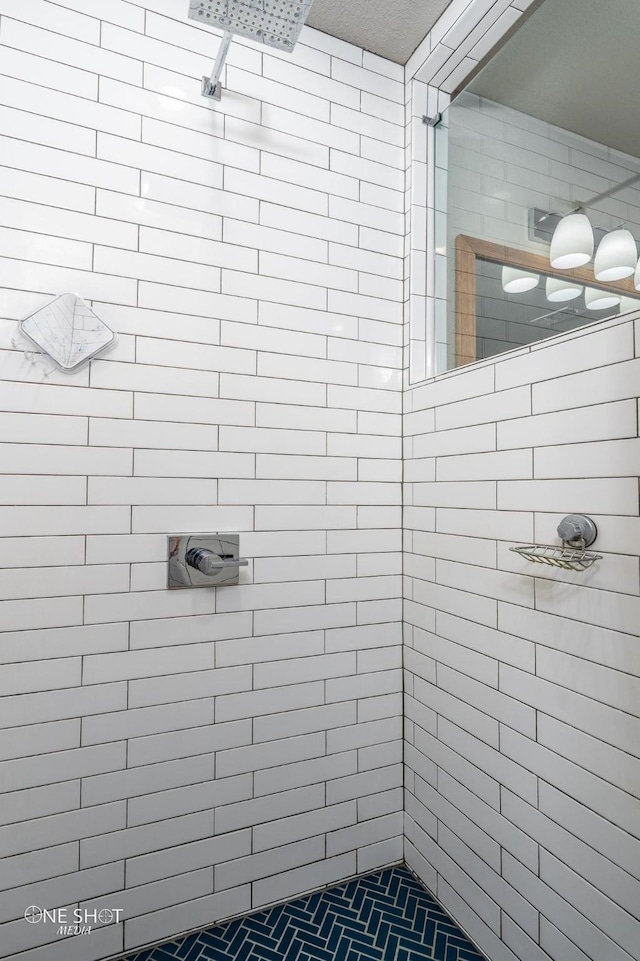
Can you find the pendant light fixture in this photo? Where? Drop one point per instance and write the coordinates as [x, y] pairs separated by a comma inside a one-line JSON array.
[[628, 304], [559, 290], [515, 281], [600, 299], [572, 244], [616, 256]]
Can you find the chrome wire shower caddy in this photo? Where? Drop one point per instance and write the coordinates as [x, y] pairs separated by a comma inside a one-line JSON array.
[[275, 23]]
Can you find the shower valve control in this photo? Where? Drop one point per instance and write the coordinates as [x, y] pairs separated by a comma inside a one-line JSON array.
[[203, 560], [209, 563]]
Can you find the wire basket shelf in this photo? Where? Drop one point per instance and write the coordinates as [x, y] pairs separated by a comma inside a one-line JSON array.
[[567, 558]]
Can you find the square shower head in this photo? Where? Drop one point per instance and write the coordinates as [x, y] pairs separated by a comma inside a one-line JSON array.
[[276, 23]]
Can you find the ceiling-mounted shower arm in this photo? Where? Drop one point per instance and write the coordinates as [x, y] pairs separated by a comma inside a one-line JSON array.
[[211, 86]]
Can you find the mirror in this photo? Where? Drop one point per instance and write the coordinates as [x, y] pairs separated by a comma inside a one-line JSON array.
[[538, 134], [538, 301]]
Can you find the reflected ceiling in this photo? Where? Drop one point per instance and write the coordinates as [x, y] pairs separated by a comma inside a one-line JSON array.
[[575, 64]]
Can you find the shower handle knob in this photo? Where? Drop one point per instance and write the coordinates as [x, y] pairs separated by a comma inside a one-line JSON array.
[[210, 563]]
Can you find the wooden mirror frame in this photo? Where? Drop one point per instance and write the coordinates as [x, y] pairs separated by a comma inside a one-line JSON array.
[[469, 249]]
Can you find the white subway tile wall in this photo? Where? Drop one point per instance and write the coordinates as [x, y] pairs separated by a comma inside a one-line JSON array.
[[531, 841], [188, 756], [522, 691]]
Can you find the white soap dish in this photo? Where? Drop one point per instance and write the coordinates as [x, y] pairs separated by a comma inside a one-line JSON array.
[[68, 330]]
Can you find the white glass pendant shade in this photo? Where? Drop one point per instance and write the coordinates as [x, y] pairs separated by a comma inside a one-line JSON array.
[[616, 256], [629, 303], [572, 244], [600, 299], [558, 290], [515, 281]]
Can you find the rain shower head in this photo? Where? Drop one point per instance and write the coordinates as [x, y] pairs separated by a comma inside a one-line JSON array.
[[275, 23]]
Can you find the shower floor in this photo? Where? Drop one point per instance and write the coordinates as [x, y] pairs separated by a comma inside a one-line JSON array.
[[386, 916]]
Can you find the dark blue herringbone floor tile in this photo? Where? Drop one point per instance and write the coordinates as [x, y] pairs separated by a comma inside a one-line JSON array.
[[387, 916]]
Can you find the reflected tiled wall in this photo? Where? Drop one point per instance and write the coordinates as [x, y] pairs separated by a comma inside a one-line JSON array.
[[459, 41], [249, 255], [523, 804], [502, 164]]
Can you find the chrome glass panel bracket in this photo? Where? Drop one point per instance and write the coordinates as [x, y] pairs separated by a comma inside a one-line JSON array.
[[203, 560]]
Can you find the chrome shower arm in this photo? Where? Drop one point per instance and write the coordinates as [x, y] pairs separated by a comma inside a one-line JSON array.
[[211, 86], [274, 23]]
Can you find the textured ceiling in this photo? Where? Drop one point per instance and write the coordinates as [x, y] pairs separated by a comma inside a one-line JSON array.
[[574, 63], [390, 28]]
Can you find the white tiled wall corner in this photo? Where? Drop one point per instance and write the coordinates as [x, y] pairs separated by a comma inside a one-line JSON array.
[[249, 255], [259, 342], [526, 772]]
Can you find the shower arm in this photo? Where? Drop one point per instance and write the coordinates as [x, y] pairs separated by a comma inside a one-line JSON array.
[[270, 24], [211, 86]]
